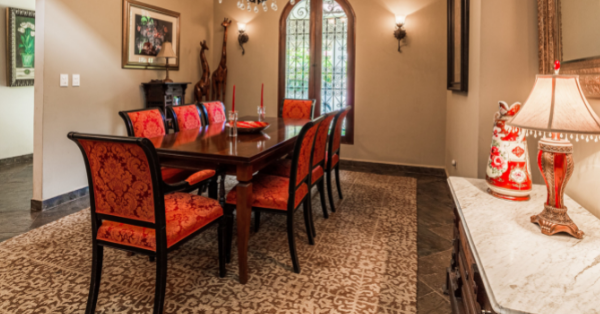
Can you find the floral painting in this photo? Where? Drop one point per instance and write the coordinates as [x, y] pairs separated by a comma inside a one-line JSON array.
[[150, 33], [145, 29], [21, 47]]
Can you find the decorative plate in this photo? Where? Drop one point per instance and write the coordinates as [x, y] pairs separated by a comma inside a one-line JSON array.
[[250, 126]]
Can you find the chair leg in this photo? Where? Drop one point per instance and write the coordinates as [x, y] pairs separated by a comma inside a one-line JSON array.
[[228, 232], [337, 180], [292, 243], [321, 187], [97, 258], [256, 220], [307, 221], [213, 189], [161, 282], [222, 229], [330, 191]]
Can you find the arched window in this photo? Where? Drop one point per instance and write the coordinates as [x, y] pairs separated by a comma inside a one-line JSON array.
[[317, 56]]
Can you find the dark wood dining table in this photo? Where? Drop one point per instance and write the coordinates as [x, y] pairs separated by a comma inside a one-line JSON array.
[[242, 156]]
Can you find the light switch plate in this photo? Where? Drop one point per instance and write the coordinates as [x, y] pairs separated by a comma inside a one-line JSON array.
[[64, 80], [76, 80]]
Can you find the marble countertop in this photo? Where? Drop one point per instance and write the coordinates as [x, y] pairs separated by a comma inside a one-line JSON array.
[[523, 270]]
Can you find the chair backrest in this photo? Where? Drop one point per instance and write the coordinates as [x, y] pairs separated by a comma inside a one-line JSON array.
[[187, 117], [298, 108], [321, 138], [302, 157], [123, 176], [214, 112], [145, 122], [336, 135]]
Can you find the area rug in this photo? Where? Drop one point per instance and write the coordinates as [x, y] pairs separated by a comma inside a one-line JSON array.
[[364, 261]]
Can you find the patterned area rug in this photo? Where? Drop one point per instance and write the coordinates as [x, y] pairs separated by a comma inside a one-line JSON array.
[[364, 261]]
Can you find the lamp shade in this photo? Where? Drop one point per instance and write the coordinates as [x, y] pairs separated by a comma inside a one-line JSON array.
[[557, 104], [166, 51]]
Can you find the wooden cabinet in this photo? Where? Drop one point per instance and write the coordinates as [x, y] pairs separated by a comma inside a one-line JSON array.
[[161, 95], [463, 279]]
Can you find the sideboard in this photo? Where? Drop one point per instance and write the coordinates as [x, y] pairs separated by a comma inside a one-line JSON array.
[[502, 263]]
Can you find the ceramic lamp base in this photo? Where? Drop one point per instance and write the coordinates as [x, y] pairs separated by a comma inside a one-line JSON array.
[[554, 220], [555, 160]]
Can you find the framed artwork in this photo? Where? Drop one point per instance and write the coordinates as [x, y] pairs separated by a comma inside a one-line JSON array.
[[145, 29], [458, 45], [20, 47]]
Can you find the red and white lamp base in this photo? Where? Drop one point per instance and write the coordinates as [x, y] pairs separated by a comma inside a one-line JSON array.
[[555, 160]]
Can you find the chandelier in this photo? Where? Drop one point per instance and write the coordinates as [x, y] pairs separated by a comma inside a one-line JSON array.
[[248, 4]]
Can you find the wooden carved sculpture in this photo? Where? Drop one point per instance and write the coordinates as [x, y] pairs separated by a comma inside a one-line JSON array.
[[202, 88], [219, 77]]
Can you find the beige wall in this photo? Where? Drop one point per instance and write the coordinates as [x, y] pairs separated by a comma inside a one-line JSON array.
[[84, 37], [400, 97], [504, 58], [16, 103]]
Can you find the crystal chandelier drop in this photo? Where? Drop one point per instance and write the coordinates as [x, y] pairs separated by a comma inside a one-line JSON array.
[[252, 5]]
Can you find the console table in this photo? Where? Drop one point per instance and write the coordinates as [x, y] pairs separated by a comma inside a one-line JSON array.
[[159, 94], [502, 263]]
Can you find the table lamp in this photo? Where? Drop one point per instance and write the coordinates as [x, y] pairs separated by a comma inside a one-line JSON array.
[[167, 52], [557, 108]]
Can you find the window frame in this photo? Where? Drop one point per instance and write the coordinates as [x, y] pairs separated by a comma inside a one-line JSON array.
[[314, 86]]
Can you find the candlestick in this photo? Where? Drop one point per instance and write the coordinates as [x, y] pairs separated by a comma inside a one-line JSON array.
[[233, 101]]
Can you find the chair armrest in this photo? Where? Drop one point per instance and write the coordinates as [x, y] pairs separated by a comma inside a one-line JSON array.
[[192, 180]]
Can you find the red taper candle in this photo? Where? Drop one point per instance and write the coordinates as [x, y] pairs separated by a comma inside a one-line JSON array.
[[233, 101], [262, 95]]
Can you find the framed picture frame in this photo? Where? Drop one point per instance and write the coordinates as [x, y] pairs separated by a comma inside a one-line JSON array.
[[20, 47], [145, 28], [458, 45]]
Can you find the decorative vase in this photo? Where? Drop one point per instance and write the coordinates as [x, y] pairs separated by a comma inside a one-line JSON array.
[[508, 175], [27, 60]]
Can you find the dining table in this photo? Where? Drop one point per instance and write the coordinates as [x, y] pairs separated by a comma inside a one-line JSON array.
[[212, 147]]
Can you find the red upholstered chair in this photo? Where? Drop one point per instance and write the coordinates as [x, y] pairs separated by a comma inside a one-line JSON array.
[[214, 112], [185, 117], [298, 108], [283, 167], [285, 195], [332, 159], [135, 210], [150, 123]]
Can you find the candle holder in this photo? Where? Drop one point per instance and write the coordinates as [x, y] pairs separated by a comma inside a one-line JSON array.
[[233, 118], [261, 113]]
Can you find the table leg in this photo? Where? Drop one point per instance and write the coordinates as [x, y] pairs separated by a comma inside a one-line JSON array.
[[244, 213]]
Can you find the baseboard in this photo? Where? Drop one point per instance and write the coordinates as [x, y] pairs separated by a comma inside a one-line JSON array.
[[392, 169], [37, 206], [16, 160]]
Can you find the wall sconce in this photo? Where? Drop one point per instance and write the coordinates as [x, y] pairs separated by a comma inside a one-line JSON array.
[[400, 32], [243, 37]]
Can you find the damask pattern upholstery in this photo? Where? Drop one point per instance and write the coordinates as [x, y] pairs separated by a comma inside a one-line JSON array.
[[305, 153], [297, 109], [337, 131], [214, 111], [188, 117], [122, 182], [270, 192], [321, 140], [283, 168], [185, 213], [147, 123]]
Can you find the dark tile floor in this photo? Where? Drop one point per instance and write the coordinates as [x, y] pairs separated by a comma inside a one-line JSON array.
[[434, 217], [16, 190]]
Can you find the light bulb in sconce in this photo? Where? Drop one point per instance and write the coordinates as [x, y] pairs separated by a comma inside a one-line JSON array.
[[400, 19], [400, 32], [242, 37]]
